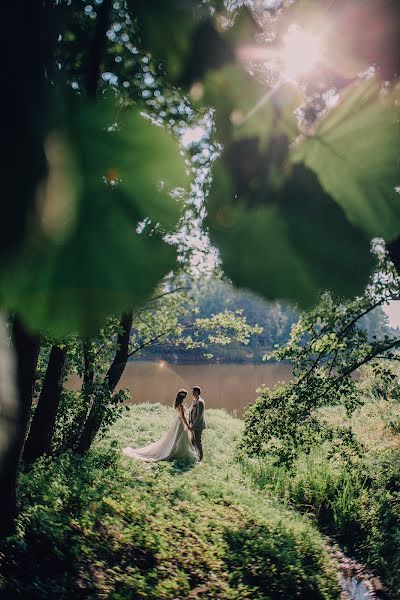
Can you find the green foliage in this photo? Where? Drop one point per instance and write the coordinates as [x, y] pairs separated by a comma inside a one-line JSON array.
[[326, 346], [212, 297], [71, 415], [380, 380], [283, 422], [166, 30], [355, 167], [73, 411], [173, 322], [352, 498], [261, 205], [255, 558], [233, 94], [105, 526], [75, 268], [337, 464], [168, 318], [65, 267], [249, 217]]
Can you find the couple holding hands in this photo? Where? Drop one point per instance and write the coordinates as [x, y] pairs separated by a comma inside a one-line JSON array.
[[183, 440]]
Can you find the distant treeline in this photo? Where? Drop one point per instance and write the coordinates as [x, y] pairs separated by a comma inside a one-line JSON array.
[[275, 318]]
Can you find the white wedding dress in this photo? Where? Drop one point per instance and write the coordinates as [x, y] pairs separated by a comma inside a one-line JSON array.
[[174, 445]]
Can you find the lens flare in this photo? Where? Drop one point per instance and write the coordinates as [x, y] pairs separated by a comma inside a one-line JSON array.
[[300, 53]]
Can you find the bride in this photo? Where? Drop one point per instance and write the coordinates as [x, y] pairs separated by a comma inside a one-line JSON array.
[[175, 444]]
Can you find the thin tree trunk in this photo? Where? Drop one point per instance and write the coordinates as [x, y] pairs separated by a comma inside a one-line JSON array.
[[41, 432], [87, 393], [118, 365], [111, 380], [26, 348]]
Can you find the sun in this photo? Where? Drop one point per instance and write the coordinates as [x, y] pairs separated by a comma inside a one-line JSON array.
[[300, 53]]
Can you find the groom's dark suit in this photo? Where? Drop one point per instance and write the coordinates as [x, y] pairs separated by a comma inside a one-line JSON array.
[[198, 422]]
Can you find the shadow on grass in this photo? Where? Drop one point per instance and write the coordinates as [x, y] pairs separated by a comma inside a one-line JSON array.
[[275, 565], [74, 540], [177, 467]]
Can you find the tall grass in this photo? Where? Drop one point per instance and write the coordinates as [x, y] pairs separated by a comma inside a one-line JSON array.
[[354, 499]]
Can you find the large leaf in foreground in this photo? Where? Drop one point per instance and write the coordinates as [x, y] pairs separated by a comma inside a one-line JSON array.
[[235, 96], [245, 108], [355, 152], [87, 259], [293, 244]]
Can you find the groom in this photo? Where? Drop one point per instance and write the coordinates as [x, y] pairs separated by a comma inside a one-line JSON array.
[[196, 419]]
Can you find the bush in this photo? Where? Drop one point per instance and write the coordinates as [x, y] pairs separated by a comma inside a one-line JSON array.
[[284, 422]]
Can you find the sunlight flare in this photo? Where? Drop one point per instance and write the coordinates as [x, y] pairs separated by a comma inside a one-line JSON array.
[[300, 53]]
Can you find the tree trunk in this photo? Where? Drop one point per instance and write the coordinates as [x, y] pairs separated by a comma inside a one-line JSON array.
[[44, 419], [26, 348], [114, 373], [87, 393]]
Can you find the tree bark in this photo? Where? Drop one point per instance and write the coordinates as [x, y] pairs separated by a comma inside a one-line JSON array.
[[114, 373], [26, 347], [41, 432], [87, 393]]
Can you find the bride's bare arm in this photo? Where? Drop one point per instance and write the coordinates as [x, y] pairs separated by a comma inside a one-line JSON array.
[[181, 410]]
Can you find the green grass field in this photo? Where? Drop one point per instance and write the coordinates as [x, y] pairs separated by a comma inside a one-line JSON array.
[[106, 526]]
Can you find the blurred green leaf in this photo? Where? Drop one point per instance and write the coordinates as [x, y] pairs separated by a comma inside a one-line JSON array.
[[355, 152], [289, 242], [187, 38], [244, 28], [234, 94], [166, 28], [245, 108], [87, 260]]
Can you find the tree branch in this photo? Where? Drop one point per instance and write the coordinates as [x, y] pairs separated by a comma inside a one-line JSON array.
[[179, 289], [370, 357], [333, 361], [358, 317], [340, 335], [149, 342], [312, 368], [163, 334]]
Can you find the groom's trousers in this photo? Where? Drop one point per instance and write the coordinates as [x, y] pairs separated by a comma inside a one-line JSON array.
[[197, 440]]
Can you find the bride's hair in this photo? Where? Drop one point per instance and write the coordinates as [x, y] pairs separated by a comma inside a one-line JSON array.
[[181, 395]]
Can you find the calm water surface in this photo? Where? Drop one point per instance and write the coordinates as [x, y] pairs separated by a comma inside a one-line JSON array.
[[223, 386]]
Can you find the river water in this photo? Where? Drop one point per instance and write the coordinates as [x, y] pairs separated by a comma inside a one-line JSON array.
[[231, 387]]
